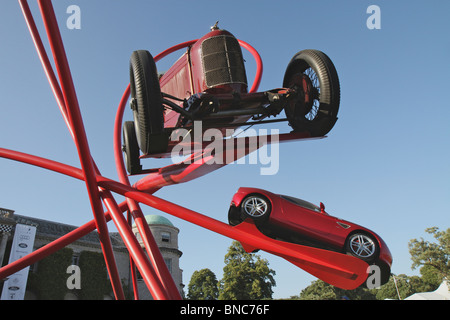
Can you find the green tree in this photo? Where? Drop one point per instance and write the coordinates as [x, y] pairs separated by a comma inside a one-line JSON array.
[[401, 286], [433, 257], [320, 290], [246, 276], [203, 286]]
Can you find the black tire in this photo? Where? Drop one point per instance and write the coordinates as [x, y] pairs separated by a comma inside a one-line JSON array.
[[256, 207], [131, 148], [146, 99], [385, 272], [234, 217], [315, 110], [362, 245]]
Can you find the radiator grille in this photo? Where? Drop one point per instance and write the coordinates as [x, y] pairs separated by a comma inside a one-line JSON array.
[[222, 61]]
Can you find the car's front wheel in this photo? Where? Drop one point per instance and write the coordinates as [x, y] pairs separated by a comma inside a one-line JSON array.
[[256, 207], [362, 246], [146, 99], [313, 75]]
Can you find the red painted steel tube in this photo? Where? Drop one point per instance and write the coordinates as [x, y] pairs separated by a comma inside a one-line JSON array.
[[156, 257], [130, 240], [135, 250], [46, 250], [117, 136], [54, 85], [348, 273], [132, 264], [173, 49], [75, 119], [53, 246], [58, 95], [259, 65], [144, 230], [45, 63], [69, 92], [148, 273]]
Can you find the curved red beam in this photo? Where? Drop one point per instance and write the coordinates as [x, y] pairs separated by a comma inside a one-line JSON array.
[[259, 65], [144, 230], [75, 119], [337, 269], [63, 100]]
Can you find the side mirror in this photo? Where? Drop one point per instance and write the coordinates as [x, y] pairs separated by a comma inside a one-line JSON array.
[[322, 207]]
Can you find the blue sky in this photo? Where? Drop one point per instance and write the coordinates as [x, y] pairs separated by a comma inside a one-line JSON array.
[[384, 165]]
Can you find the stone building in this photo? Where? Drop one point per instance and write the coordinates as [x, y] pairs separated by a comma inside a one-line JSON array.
[[166, 237], [164, 232]]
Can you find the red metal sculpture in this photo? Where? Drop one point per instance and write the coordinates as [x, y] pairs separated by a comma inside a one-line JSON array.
[[337, 269]]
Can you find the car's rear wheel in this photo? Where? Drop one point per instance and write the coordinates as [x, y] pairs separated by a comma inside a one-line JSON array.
[[146, 99], [234, 217], [256, 207], [316, 81], [363, 246]]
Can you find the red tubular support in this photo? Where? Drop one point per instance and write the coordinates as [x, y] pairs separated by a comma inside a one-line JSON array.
[[144, 230], [337, 269], [173, 49], [54, 85], [77, 126], [133, 265], [259, 65], [46, 63], [148, 274], [348, 274], [48, 249], [136, 251], [68, 104]]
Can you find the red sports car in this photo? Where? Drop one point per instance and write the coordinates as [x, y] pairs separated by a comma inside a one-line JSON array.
[[298, 221]]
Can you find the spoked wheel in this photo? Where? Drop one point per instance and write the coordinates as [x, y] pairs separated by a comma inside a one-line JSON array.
[[256, 207], [146, 100], [315, 79], [131, 148], [362, 246]]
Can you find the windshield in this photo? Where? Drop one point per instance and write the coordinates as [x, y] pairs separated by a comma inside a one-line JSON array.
[[302, 203]]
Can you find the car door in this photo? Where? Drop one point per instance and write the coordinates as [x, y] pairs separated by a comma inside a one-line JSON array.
[[306, 219]]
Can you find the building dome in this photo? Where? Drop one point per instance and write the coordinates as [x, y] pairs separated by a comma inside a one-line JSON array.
[[154, 219]]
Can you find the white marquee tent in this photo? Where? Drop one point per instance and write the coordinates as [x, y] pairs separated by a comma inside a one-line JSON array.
[[441, 293]]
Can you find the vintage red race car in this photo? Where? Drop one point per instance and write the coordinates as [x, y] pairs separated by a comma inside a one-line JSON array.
[[298, 221], [208, 83]]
